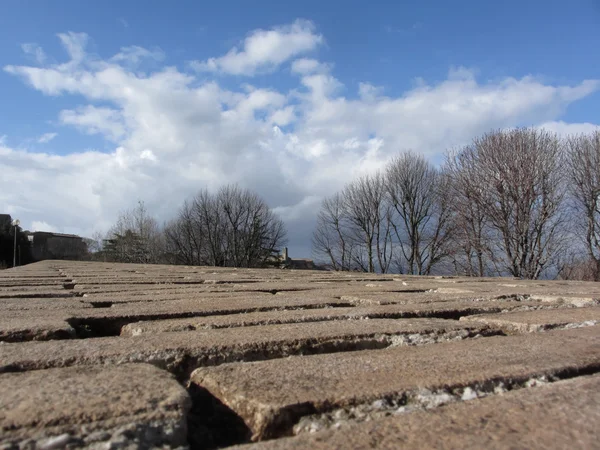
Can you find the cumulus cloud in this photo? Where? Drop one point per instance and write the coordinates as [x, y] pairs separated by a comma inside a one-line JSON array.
[[94, 120], [46, 137], [305, 66], [566, 129], [265, 50], [173, 133]]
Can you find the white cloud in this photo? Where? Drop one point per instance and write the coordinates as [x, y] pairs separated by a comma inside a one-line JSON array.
[[46, 137], [134, 55], [284, 116], [565, 129], [265, 50], [174, 133], [40, 225], [35, 51], [74, 44], [148, 154], [94, 120], [306, 66], [368, 92]]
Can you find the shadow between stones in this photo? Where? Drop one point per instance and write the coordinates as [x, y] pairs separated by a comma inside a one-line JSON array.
[[211, 424]]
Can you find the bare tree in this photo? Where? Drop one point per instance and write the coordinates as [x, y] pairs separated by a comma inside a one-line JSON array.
[[136, 237], [330, 239], [368, 213], [472, 240], [518, 181], [574, 267], [252, 231], [234, 227], [419, 195], [584, 165], [353, 229], [184, 238]]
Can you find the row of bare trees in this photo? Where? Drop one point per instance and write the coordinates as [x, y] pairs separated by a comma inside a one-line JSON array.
[[233, 227], [584, 172], [391, 221], [520, 202]]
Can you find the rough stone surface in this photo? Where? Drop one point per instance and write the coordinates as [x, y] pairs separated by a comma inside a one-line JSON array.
[[539, 320], [554, 416], [100, 355], [272, 395], [435, 309], [59, 406], [177, 351], [33, 327]]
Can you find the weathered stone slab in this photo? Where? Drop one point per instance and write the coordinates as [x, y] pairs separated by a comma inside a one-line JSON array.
[[209, 305], [39, 327], [29, 272], [34, 281], [37, 292], [576, 299], [179, 289], [201, 302], [37, 319], [41, 319], [168, 295], [255, 319], [560, 415], [540, 320], [390, 298], [135, 403], [202, 317], [35, 287], [271, 396], [184, 351], [45, 304], [439, 310], [474, 287], [407, 296]]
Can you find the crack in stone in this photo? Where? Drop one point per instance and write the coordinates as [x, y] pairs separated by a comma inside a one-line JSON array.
[[425, 399], [538, 328], [90, 327]]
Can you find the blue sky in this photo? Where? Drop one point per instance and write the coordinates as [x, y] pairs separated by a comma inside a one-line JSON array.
[[148, 104]]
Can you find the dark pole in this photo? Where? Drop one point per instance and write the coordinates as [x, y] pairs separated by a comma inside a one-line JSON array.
[[15, 249], [16, 224]]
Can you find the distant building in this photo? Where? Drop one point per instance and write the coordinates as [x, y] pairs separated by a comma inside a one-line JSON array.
[[46, 245], [285, 262], [5, 220], [6, 241]]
